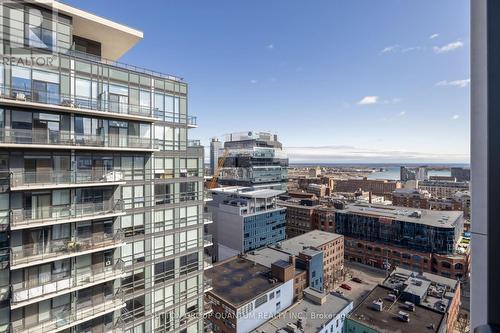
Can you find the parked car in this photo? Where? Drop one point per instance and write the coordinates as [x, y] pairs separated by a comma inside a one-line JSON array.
[[345, 286], [357, 280], [339, 292]]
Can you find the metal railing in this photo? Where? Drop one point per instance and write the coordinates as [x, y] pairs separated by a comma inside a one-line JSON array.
[[194, 143], [67, 316], [30, 254], [37, 178], [25, 217], [79, 277], [67, 138]]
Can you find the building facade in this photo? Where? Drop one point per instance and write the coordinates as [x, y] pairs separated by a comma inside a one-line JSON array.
[[380, 187], [443, 189], [421, 240], [244, 220], [255, 159], [246, 294], [215, 146], [102, 202]]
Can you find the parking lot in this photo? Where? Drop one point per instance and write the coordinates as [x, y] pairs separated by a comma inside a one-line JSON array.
[[369, 276]]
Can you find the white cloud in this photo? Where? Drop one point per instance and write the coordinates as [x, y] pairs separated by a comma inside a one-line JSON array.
[[455, 83], [270, 46], [448, 47], [402, 113], [253, 81], [368, 100], [390, 48], [392, 101], [343, 154], [433, 36], [455, 117], [413, 48]]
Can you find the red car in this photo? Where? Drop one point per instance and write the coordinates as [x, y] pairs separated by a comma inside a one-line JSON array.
[[345, 286]]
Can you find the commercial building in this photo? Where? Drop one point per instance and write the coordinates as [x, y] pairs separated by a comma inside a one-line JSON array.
[[380, 187], [300, 215], [408, 302], [443, 189], [417, 173], [316, 313], [319, 190], [307, 246], [215, 146], [460, 174], [102, 221], [413, 198], [245, 294], [244, 219], [421, 240], [255, 159]]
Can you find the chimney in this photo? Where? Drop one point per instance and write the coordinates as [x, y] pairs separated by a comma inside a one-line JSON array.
[[370, 197], [291, 260]]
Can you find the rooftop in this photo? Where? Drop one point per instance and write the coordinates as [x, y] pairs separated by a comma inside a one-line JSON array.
[[239, 280], [436, 291], [248, 192], [436, 218], [116, 39], [314, 239], [315, 315], [421, 320]]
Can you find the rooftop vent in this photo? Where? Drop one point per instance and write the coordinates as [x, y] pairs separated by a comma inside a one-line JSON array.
[[391, 298], [403, 316], [378, 305]]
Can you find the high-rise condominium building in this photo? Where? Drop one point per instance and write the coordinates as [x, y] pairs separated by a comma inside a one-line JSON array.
[[255, 159], [215, 146], [101, 196]]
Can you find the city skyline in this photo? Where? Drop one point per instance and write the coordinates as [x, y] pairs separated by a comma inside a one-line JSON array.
[[377, 73]]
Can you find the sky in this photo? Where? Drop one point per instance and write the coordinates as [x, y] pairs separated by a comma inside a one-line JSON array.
[[337, 80]]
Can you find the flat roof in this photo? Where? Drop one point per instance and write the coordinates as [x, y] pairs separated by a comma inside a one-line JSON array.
[[422, 319], [435, 218], [248, 192], [315, 315], [314, 238], [115, 38], [267, 256], [239, 280]]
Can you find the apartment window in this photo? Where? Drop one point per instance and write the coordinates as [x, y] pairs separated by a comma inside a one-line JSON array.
[[278, 306], [261, 300]]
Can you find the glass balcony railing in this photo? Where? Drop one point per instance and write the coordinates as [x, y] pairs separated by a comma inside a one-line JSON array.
[[207, 284], [67, 138], [208, 240], [27, 293], [53, 214], [67, 316], [194, 143], [33, 254], [207, 218], [62, 177]]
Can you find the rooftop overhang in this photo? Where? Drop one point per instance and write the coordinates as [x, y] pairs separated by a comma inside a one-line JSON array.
[[116, 39]]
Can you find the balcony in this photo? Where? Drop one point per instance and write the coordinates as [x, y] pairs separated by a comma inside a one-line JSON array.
[[33, 180], [207, 241], [50, 215], [207, 218], [207, 284], [39, 253], [207, 262], [80, 278], [66, 316], [52, 139]]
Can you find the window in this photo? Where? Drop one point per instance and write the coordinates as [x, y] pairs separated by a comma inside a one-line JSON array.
[[261, 300], [278, 306], [278, 293]]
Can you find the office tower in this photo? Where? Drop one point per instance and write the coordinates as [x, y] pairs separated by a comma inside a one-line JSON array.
[[101, 202], [418, 173], [215, 146], [460, 174], [255, 159], [244, 219]]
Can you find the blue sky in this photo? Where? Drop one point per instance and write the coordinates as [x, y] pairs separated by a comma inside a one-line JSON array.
[[339, 81]]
